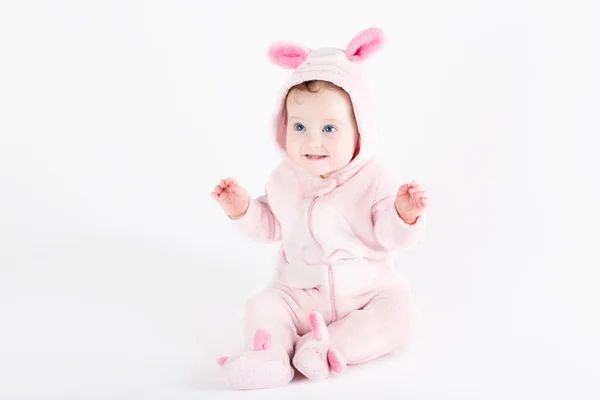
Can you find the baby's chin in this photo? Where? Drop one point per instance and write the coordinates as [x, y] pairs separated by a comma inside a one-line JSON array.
[[314, 168]]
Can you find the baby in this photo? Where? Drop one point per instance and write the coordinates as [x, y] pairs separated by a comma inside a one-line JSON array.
[[339, 215]]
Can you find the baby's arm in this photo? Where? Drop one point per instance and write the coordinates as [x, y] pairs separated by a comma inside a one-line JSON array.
[[391, 230], [254, 216], [259, 222]]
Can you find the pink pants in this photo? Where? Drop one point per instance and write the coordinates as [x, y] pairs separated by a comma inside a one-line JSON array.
[[359, 329], [366, 326]]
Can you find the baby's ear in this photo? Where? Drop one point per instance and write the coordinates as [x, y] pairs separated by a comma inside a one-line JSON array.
[[287, 55], [365, 44]]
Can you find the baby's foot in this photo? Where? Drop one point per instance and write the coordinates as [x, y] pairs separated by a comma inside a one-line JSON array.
[[314, 357], [265, 367]]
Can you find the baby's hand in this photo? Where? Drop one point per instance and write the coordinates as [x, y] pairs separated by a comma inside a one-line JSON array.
[[234, 199], [411, 200]]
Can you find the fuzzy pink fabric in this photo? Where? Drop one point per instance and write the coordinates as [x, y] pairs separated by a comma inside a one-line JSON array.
[[353, 233], [335, 361], [222, 360], [262, 340], [365, 44], [315, 356], [318, 327], [287, 55], [260, 368]]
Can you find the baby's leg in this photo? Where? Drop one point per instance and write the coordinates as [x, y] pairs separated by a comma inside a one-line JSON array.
[[385, 324], [269, 335]]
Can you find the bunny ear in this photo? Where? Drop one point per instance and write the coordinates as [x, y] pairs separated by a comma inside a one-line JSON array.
[[287, 55], [365, 44]]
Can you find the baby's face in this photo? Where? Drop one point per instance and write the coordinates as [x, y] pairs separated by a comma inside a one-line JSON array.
[[321, 132]]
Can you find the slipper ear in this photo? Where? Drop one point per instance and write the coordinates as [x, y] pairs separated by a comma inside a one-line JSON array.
[[365, 44], [318, 326], [287, 55]]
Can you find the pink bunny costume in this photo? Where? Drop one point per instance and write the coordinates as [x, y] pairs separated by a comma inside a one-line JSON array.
[[336, 298]]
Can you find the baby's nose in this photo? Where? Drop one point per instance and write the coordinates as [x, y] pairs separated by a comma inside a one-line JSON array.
[[314, 139]]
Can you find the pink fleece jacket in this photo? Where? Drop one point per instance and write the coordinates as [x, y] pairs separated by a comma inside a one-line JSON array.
[[340, 232]]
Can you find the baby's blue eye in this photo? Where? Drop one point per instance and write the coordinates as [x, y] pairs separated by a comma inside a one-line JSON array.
[[299, 127], [329, 129]]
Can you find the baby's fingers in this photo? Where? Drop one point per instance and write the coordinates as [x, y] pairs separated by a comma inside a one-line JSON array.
[[417, 193], [402, 190], [229, 182]]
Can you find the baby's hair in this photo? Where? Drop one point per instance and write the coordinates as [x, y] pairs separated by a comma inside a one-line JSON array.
[[313, 86]]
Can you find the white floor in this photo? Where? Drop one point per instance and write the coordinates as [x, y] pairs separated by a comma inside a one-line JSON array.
[[114, 317]]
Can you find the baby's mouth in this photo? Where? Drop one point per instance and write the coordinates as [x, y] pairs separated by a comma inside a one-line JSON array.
[[315, 156]]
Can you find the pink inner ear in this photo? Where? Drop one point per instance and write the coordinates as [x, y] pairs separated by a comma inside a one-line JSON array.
[[365, 44], [287, 55]]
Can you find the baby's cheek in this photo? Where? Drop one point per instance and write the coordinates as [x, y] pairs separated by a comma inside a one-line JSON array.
[[346, 149], [289, 143], [293, 151]]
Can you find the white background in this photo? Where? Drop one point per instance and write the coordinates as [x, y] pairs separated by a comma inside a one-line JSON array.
[[120, 277]]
